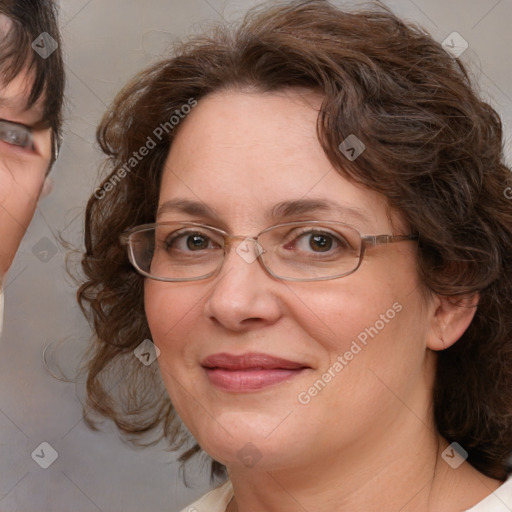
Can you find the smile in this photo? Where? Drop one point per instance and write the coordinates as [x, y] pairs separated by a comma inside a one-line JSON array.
[[249, 372]]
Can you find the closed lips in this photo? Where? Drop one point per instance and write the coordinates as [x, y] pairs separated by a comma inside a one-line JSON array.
[[249, 373], [250, 362]]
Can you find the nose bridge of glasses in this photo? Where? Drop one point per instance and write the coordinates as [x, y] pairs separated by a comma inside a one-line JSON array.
[[230, 240], [249, 248]]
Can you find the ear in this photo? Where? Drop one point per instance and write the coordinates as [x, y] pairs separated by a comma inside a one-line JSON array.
[[47, 187], [451, 317]]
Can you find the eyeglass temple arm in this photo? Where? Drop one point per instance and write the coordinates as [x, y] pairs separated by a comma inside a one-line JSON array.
[[387, 239]]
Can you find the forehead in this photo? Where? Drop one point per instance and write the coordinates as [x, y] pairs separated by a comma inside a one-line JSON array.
[[249, 129], [5, 24], [14, 98], [241, 154]]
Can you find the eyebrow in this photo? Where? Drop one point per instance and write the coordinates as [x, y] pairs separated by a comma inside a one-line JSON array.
[[40, 124], [280, 211]]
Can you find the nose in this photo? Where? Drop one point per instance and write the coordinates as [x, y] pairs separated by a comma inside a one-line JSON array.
[[244, 295]]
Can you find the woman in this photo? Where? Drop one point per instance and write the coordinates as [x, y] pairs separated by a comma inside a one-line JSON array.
[[306, 215]]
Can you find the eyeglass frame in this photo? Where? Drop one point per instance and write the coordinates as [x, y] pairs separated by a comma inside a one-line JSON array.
[[56, 139], [366, 240]]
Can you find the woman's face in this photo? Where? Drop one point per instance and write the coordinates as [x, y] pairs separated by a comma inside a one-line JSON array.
[[356, 346]]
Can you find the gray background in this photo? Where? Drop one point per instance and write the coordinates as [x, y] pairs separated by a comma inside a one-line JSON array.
[[105, 42]]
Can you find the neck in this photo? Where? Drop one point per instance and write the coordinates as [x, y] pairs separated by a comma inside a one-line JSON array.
[[398, 467]]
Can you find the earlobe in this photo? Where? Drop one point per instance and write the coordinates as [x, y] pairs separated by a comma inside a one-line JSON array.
[[47, 187], [451, 316]]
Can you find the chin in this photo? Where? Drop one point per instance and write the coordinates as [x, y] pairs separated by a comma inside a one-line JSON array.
[[238, 438], [260, 454]]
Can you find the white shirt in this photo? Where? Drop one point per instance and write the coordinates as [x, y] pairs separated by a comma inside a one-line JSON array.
[[499, 501], [218, 499], [214, 501]]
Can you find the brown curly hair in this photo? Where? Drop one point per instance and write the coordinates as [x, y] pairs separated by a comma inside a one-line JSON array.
[[433, 149]]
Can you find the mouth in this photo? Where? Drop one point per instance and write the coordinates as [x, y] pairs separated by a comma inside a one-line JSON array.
[[249, 372]]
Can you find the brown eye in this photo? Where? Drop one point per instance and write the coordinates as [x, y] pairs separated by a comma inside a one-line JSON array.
[[321, 243], [189, 241], [197, 241], [315, 241]]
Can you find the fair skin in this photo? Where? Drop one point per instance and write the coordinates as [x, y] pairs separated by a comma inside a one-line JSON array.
[[367, 440], [22, 168]]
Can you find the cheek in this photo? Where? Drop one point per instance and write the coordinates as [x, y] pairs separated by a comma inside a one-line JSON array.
[[170, 306], [371, 343], [161, 310], [21, 180], [371, 321], [171, 312], [338, 313]]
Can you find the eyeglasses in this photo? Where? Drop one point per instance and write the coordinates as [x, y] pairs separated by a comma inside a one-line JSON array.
[[21, 135], [57, 143], [294, 251], [16, 134]]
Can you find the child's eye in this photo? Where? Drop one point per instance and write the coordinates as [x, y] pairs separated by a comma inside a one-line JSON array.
[[16, 134]]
